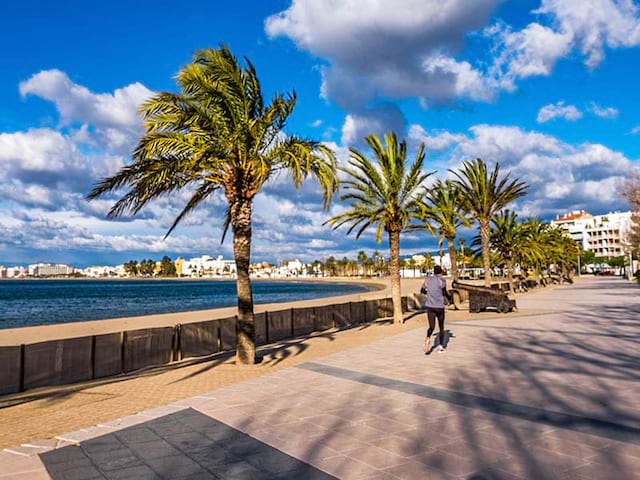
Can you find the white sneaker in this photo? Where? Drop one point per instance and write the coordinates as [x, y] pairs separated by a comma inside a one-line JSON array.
[[441, 349]]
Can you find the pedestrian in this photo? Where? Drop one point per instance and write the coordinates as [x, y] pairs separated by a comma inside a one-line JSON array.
[[435, 288]]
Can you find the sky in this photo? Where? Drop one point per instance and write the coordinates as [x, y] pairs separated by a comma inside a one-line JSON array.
[[546, 88]]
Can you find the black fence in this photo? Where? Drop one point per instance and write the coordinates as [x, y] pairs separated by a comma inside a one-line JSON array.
[[61, 362]]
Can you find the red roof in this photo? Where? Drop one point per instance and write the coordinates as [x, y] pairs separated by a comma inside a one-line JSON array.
[[568, 217]]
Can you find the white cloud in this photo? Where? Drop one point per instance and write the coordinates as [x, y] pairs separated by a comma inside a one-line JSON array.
[[558, 110], [532, 51], [114, 116], [436, 142], [595, 24], [316, 123], [603, 112], [588, 26], [378, 120], [635, 130], [413, 49], [561, 176], [398, 52]]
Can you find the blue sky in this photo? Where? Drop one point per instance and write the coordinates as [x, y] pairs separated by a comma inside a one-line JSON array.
[[547, 88]]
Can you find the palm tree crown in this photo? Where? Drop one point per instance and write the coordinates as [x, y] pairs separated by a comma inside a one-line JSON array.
[[217, 134], [385, 195], [483, 195]]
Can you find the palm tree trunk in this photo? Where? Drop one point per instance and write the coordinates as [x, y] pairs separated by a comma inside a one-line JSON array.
[[510, 274], [394, 271], [241, 225], [453, 257], [486, 252]]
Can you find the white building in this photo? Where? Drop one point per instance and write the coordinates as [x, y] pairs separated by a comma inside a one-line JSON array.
[[291, 268], [207, 266], [50, 269], [604, 235], [99, 271]]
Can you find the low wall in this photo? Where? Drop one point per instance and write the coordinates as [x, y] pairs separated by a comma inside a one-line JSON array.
[[60, 362]]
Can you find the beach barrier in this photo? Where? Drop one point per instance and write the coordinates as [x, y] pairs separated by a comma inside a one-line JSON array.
[[67, 361]]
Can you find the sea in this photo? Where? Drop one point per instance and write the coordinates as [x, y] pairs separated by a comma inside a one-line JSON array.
[[44, 302]]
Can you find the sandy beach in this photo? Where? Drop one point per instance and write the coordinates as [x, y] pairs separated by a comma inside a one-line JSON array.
[[379, 287]]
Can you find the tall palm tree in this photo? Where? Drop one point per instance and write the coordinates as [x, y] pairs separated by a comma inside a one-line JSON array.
[[509, 239], [217, 134], [563, 251], [384, 193], [444, 202], [483, 195], [363, 260], [536, 256]]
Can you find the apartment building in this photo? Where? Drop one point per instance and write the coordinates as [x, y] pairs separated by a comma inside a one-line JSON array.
[[604, 235]]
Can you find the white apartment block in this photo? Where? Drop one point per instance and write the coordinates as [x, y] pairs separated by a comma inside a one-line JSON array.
[[207, 266], [98, 271], [49, 270], [604, 235]]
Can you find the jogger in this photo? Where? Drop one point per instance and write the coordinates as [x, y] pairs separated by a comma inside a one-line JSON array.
[[435, 288]]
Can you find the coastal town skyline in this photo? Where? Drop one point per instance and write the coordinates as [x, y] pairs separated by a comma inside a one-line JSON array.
[[551, 115]]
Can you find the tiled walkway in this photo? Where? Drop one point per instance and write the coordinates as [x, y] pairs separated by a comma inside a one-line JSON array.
[[551, 396]]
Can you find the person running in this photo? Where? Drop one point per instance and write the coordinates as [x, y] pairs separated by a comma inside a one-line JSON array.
[[436, 290]]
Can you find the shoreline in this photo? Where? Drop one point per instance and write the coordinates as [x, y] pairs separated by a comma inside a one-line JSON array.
[[41, 333]]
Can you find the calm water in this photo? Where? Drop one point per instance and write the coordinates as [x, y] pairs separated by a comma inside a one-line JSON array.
[[41, 302]]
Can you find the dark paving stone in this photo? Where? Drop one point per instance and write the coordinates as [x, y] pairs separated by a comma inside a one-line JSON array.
[[137, 435], [116, 460], [65, 455], [189, 442], [85, 472], [593, 426], [141, 472], [157, 449], [274, 461], [105, 443], [185, 445], [175, 467]]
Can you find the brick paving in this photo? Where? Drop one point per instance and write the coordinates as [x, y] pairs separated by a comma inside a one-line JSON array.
[[550, 395]]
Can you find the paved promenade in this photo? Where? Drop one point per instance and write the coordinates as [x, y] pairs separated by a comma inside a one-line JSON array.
[[546, 396]]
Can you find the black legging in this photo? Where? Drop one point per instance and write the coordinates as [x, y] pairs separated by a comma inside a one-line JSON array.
[[432, 314]]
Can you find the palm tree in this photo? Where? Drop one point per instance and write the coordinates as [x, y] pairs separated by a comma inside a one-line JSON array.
[[536, 256], [509, 239], [218, 135], [483, 195], [563, 251], [385, 194], [444, 202], [363, 260]]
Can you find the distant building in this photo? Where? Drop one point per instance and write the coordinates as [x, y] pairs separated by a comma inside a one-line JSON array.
[[604, 235], [179, 262], [575, 225], [50, 270], [207, 266], [97, 271]]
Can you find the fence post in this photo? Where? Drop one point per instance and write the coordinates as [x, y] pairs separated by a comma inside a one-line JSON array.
[[266, 327], [93, 357], [176, 347], [315, 322], [292, 322], [21, 381], [351, 322], [123, 341]]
